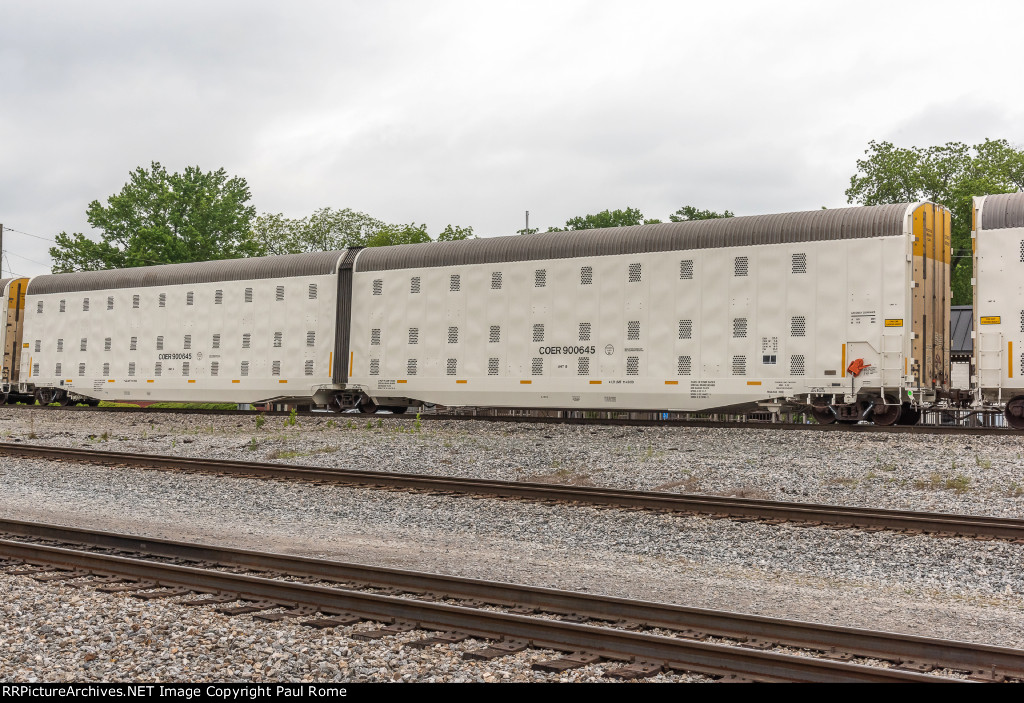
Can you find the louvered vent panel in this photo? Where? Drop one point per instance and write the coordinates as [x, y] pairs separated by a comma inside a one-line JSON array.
[[584, 331], [633, 329], [538, 333], [686, 269], [1022, 251], [106, 344], [796, 365], [1022, 320], [158, 369], [455, 283], [492, 367], [57, 371], [39, 306], [278, 339], [279, 294], [60, 345], [187, 344], [374, 367], [311, 338], [81, 369], [453, 366], [245, 368], [453, 335], [247, 341], [378, 286], [538, 366], [583, 366], [190, 298], [162, 300], [686, 329], [110, 302], [214, 368], [740, 266], [85, 305], [414, 335], [275, 368], [63, 305], [540, 278], [683, 366], [635, 273], [312, 293], [248, 295], [134, 344], [39, 345], [799, 263], [375, 336], [106, 369], [135, 302], [495, 334], [410, 367], [216, 341], [184, 368], [632, 365], [131, 368], [798, 326], [739, 366], [586, 275], [414, 284], [84, 344], [218, 297], [495, 280], [35, 369], [739, 327]]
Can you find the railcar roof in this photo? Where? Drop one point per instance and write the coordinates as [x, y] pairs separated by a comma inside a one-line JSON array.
[[817, 225], [4, 282], [288, 265], [1003, 211]]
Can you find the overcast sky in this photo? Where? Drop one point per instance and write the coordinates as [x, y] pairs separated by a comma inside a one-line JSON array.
[[470, 113]]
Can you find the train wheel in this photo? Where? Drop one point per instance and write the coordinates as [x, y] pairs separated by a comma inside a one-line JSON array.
[[3, 398], [1015, 413], [909, 416], [823, 414], [44, 396], [367, 406], [64, 400], [886, 415]]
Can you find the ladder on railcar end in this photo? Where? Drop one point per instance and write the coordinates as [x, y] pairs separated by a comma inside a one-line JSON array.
[[989, 368]]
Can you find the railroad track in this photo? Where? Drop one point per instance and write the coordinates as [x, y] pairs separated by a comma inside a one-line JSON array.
[[741, 509], [638, 638], [539, 419]]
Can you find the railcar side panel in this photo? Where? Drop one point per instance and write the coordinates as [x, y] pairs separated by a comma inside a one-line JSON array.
[[12, 307]]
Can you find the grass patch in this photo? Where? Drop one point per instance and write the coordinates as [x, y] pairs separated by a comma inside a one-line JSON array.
[[285, 454], [936, 481]]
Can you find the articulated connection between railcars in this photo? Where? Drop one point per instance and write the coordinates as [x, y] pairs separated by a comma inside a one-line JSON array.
[[844, 313]]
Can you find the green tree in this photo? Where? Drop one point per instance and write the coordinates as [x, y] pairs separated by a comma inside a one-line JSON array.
[[390, 235], [455, 234], [325, 230], [163, 218], [606, 218], [949, 175], [688, 212]]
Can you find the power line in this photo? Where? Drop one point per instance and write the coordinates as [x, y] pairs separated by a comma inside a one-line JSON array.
[[11, 253], [29, 234]]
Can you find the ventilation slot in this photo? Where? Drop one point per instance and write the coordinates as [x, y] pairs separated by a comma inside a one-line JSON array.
[[57, 370], [583, 366], [246, 340], [216, 341], [39, 345], [683, 366], [378, 286], [106, 370], [158, 370], [275, 368], [39, 306], [538, 366], [798, 326], [410, 367], [159, 343], [586, 275], [796, 365], [184, 368], [632, 365], [375, 337], [245, 368], [190, 298], [495, 280], [135, 302], [312, 291], [686, 269], [218, 297], [162, 301], [538, 333], [188, 342], [60, 345], [214, 368], [134, 344], [131, 368], [279, 294], [35, 369], [633, 329], [63, 305], [799, 263], [740, 265], [84, 344], [584, 331], [311, 338], [455, 283], [1022, 320], [453, 335], [739, 327], [106, 344], [495, 334], [248, 295], [85, 305], [739, 366], [1022, 251], [374, 367], [453, 366], [278, 339], [1022, 364], [492, 367], [414, 335], [686, 329], [81, 369], [635, 273], [414, 285], [110, 302], [540, 278]]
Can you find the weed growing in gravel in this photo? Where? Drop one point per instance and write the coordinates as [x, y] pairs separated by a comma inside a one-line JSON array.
[[351, 425], [292, 418], [959, 483], [331, 424], [380, 423], [32, 428], [260, 420], [105, 436], [253, 445], [843, 481], [417, 424], [284, 454], [1015, 490], [983, 463], [369, 424]]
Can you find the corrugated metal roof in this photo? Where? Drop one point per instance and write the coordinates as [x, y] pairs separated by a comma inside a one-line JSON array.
[[4, 282], [1003, 211], [961, 322], [817, 225], [315, 264]]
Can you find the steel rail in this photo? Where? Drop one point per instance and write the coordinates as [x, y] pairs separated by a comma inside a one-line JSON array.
[[676, 653], [854, 641], [946, 524], [612, 422]]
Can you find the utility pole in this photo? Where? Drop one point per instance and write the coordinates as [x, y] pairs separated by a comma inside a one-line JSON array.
[[1, 249], [527, 226]]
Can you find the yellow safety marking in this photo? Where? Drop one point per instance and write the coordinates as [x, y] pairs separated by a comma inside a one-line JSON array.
[[1009, 357], [149, 380], [68, 381], [753, 383], [462, 381], [894, 323], [844, 361], [991, 320], [191, 380], [282, 381], [235, 380], [595, 383], [671, 383], [330, 363], [25, 345], [110, 380], [526, 383], [904, 366], [351, 362], [401, 380]]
